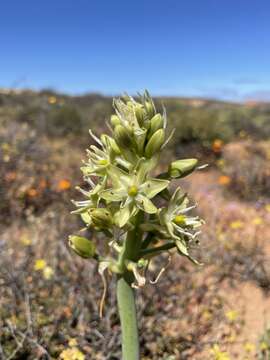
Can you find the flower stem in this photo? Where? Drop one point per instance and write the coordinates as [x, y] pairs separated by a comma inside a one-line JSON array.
[[126, 294], [127, 312]]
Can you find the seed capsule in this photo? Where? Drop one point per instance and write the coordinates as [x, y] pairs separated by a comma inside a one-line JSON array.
[[122, 136], [115, 120], [155, 143], [101, 218], [82, 246], [156, 123], [181, 168]]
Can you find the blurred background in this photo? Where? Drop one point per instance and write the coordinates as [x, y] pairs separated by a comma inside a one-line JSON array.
[[61, 64]]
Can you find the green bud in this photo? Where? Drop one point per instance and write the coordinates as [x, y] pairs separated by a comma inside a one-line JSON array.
[[150, 109], [122, 136], [101, 218], [107, 140], [181, 168], [139, 112], [82, 246], [115, 120], [130, 104], [156, 123], [155, 143]]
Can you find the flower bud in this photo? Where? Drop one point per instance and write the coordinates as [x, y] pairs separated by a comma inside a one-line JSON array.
[[155, 143], [101, 218], [107, 140], [150, 109], [82, 246], [139, 112], [122, 136], [115, 120], [156, 123], [181, 168]]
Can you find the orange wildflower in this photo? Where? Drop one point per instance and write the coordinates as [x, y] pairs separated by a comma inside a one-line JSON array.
[[217, 146], [32, 192], [224, 180], [63, 185]]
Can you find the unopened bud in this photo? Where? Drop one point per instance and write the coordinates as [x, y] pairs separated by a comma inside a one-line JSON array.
[[155, 143], [115, 120], [156, 123], [101, 218], [150, 109], [82, 246], [139, 112], [108, 141], [181, 168], [122, 136]]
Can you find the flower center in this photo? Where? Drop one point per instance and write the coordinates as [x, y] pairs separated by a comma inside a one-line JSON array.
[[133, 190], [180, 219]]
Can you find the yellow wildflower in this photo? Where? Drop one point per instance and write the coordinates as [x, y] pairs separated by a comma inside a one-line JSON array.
[[232, 315], [249, 347], [218, 354], [48, 272], [72, 354], [52, 100], [40, 264], [25, 240], [207, 315], [238, 224], [267, 207], [263, 346], [72, 342], [257, 221], [220, 163]]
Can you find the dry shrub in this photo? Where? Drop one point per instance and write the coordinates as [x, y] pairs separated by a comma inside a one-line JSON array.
[[248, 167]]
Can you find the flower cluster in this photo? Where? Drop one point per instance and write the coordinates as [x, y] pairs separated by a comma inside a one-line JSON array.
[[123, 199]]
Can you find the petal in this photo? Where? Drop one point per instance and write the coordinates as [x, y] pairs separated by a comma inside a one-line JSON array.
[[143, 203], [182, 247], [154, 186], [117, 176], [124, 214], [112, 195]]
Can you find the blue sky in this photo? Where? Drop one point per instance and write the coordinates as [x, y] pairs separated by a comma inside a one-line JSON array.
[[198, 47]]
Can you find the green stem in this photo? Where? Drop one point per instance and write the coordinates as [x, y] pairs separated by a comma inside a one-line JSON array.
[[126, 295], [127, 312]]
